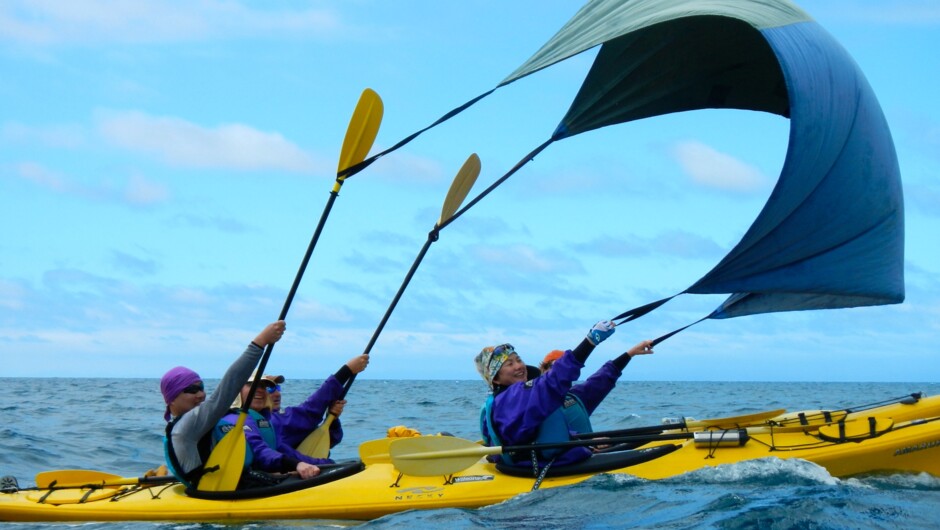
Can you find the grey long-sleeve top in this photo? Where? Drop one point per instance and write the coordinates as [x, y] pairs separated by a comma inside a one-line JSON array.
[[194, 424]]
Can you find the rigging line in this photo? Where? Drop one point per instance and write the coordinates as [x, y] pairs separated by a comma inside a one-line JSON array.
[[525, 160], [352, 170], [671, 333], [901, 399], [637, 312]]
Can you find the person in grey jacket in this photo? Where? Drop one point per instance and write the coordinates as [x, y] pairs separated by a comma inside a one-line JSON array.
[[191, 416]]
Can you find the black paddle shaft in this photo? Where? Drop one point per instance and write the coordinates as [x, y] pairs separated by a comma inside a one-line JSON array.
[[290, 295], [595, 441], [432, 237]]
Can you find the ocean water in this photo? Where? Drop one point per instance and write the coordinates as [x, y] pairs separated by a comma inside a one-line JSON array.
[[116, 426]]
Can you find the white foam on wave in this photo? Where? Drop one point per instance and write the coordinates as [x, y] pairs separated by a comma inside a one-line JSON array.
[[763, 469], [916, 481]]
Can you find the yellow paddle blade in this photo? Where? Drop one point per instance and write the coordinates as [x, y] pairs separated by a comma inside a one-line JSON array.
[[376, 451], [460, 187], [361, 133], [75, 495], [734, 422], [428, 456], [317, 443], [229, 456], [85, 479], [72, 477]]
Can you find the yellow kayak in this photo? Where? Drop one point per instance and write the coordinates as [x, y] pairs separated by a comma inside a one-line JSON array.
[[419, 473]]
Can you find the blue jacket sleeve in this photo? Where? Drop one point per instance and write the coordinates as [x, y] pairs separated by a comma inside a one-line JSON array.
[[295, 423], [596, 388]]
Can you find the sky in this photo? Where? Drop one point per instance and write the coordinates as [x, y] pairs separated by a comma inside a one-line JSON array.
[[163, 165]]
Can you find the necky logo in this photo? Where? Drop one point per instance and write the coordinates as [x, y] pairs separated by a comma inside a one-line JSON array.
[[420, 490]]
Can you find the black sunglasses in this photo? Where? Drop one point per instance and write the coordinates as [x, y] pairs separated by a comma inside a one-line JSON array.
[[194, 388]]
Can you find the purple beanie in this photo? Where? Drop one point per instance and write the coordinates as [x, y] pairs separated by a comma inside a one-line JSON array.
[[173, 383]]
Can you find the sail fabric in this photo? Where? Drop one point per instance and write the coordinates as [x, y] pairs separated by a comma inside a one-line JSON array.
[[831, 234], [679, 65], [601, 21]]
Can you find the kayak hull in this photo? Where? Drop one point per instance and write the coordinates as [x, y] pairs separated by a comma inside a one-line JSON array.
[[897, 438]]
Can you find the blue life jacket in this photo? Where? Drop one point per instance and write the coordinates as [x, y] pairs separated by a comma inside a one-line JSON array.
[[265, 429], [557, 427]]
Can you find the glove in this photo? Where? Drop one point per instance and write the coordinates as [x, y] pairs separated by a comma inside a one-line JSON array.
[[600, 331]]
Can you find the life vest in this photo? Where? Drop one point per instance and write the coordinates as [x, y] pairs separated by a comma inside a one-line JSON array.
[[557, 427], [265, 429], [203, 447]]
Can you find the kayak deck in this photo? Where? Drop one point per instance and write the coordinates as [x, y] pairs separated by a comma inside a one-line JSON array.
[[899, 437]]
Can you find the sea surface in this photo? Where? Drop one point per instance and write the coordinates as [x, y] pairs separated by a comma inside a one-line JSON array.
[[116, 426]]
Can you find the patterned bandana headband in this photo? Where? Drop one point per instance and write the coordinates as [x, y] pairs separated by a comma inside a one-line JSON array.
[[491, 359]]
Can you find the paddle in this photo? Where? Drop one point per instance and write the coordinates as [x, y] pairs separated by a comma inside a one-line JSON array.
[[317, 443], [376, 451], [225, 463], [82, 478], [428, 456], [731, 422]]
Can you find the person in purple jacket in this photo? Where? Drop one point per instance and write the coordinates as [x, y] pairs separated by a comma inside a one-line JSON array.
[[526, 407], [270, 436], [263, 455], [294, 424]]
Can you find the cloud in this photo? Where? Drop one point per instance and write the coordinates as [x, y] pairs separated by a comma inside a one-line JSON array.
[[137, 191], [183, 143], [675, 243], [83, 22], [402, 167], [134, 264], [714, 169], [60, 136], [524, 259], [12, 295], [42, 177], [141, 191]]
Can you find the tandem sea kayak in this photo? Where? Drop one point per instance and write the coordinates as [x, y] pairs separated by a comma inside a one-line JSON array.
[[433, 472]]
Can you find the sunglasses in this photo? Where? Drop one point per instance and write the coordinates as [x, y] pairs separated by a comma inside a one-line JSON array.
[[273, 389], [194, 388]]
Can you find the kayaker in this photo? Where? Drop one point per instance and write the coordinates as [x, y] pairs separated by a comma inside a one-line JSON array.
[[263, 453], [525, 407], [550, 359], [294, 424], [191, 416], [272, 437]]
